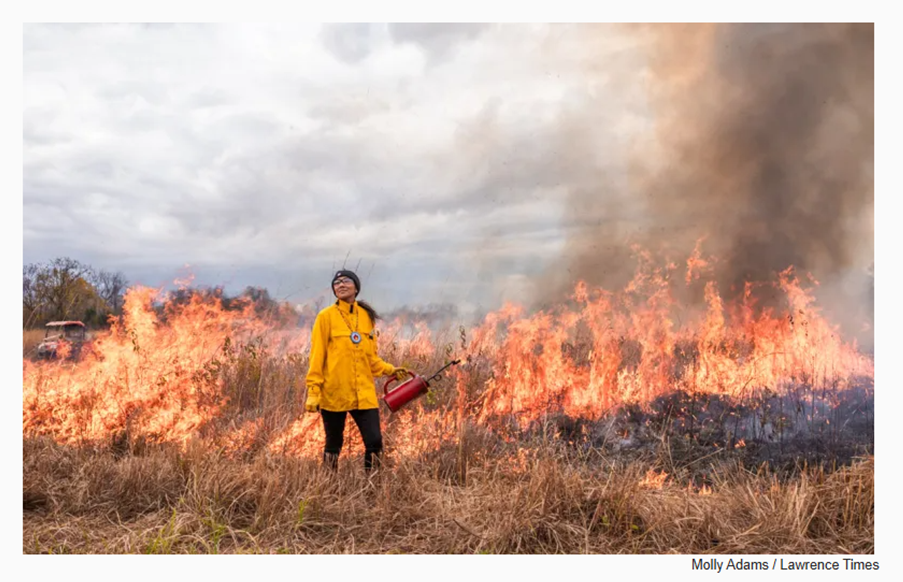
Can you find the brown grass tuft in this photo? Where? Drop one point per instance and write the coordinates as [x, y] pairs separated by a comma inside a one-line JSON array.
[[535, 501]]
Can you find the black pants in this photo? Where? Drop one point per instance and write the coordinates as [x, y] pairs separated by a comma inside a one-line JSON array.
[[367, 423]]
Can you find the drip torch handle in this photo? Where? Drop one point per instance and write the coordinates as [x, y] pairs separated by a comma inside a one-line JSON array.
[[386, 385]]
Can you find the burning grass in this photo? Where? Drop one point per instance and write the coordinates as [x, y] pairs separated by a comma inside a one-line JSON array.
[[599, 426]]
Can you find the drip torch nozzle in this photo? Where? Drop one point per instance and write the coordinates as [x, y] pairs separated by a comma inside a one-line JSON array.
[[438, 375]]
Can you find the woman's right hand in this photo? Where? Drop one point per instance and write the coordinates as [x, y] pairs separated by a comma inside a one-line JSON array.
[[313, 403]]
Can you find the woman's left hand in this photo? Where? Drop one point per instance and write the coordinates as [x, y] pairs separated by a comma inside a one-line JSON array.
[[401, 372]]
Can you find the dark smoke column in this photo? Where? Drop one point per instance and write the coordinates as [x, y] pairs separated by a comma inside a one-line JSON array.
[[764, 144]]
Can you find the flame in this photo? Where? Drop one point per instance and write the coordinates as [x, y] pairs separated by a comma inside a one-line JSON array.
[[654, 479], [697, 264], [170, 372], [610, 349], [156, 377]]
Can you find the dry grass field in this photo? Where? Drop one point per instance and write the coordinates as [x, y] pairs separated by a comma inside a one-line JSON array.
[[185, 433], [167, 501]]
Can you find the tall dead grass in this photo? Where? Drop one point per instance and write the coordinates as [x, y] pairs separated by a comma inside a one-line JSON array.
[[479, 491], [537, 501], [30, 340]]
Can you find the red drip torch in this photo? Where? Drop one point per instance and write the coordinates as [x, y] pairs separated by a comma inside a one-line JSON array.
[[410, 389]]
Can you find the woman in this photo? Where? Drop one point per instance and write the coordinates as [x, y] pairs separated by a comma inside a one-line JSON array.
[[343, 363]]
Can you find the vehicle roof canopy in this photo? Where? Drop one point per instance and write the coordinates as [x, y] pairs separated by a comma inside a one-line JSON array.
[[64, 323]]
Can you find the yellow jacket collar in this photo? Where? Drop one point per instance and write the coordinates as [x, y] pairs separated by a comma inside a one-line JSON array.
[[344, 306]]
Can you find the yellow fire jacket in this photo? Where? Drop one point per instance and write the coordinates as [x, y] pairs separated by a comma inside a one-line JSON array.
[[342, 372]]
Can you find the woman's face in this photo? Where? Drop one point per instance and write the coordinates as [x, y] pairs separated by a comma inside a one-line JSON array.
[[344, 289]]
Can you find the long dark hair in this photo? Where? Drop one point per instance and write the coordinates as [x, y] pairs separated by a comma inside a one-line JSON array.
[[369, 309]]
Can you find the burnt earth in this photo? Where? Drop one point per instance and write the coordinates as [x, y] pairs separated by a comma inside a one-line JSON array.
[[800, 427]]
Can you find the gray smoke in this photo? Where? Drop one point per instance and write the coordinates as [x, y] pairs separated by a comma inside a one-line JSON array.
[[764, 144]]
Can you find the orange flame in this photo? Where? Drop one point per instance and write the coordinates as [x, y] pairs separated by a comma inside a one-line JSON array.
[[196, 370], [654, 479]]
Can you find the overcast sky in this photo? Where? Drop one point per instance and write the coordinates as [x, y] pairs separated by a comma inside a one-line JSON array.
[[465, 164], [264, 155]]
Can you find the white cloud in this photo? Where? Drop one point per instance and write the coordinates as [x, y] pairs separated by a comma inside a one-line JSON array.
[[250, 146]]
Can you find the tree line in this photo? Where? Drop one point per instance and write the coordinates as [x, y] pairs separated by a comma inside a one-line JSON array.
[[66, 289]]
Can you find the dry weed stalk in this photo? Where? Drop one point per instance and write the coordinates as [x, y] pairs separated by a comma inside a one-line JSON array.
[[538, 501]]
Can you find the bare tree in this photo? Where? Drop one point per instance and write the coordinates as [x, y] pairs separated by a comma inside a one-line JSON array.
[[59, 290], [31, 300], [111, 287]]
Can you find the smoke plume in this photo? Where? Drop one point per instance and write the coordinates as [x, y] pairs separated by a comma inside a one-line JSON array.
[[763, 144]]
